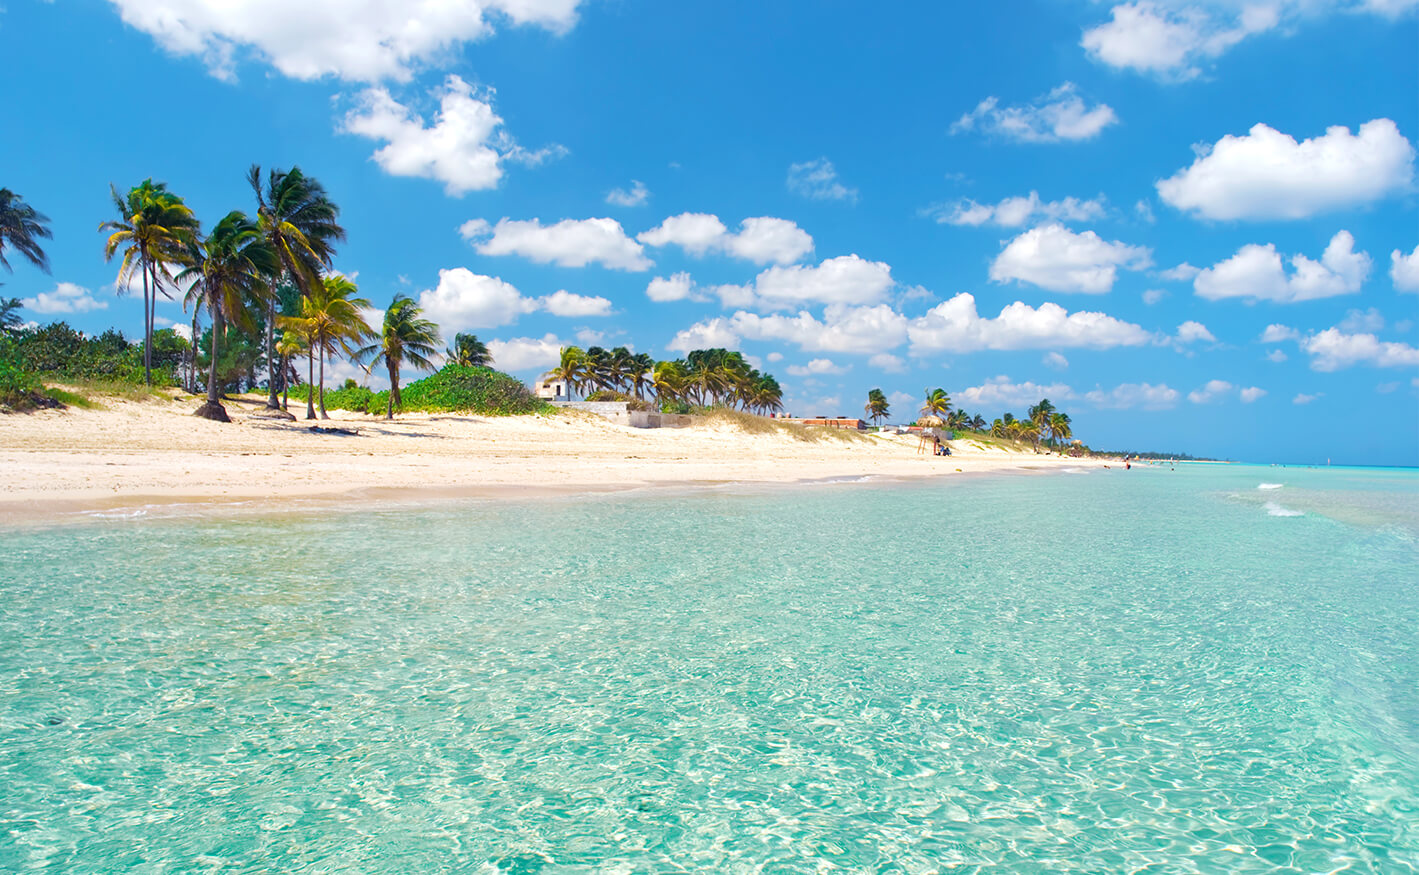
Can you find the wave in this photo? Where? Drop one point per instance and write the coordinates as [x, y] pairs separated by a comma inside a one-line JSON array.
[[1274, 509], [1269, 486]]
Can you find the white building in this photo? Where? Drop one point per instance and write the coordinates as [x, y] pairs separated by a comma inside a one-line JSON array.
[[551, 390]]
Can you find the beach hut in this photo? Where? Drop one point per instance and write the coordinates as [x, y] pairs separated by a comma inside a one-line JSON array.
[[928, 433]]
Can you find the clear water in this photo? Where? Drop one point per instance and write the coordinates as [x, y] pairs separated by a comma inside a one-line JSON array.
[[1143, 671]]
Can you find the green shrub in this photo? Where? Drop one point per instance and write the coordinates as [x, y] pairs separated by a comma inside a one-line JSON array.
[[456, 388]]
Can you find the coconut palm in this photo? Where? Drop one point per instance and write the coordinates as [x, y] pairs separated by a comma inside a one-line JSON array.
[[469, 351], [405, 337], [330, 320], [1059, 428], [638, 373], [877, 406], [1040, 414], [571, 369], [978, 423], [300, 223], [670, 381], [230, 273], [998, 429], [765, 395], [938, 403], [154, 228], [288, 347], [10, 315], [21, 229]]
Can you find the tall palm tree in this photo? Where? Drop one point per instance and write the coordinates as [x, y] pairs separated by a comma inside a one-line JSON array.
[[301, 224], [9, 315], [21, 229], [1040, 413], [978, 423], [670, 381], [638, 373], [469, 351], [877, 406], [571, 369], [231, 272], [937, 403], [154, 228], [405, 337], [291, 344], [1059, 427], [331, 320]]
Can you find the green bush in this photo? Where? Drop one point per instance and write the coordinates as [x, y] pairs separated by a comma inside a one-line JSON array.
[[58, 351], [456, 388]]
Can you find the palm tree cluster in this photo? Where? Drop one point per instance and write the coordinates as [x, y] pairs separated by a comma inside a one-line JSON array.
[[1042, 422], [703, 378], [254, 274]]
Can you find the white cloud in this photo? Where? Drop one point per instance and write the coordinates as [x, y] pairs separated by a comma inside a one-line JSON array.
[[590, 337], [1055, 258], [1276, 356], [1056, 362], [846, 279], [1303, 398], [677, 288], [843, 328], [710, 334], [1192, 332], [1146, 38], [1404, 270], [1059, 115], [1333, 349], [1000, 392], [1251, 394], [1277, 333], [775, 356], [816, 367], [65, 298], [760, 239], [1129, 395], [885, 361], [568, 243], [464, 148], [564, 303], [818, 180], [637, 195], [1153, 296], [381, 39], [1256, 273], [464, 299], [1214, 390], [526, 353], [1181, 273], [1358, 321], [903, 400], [1266, 174], [1015, 212], [955, 326]]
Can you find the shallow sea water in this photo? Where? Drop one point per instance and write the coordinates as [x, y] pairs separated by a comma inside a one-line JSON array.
[[1145, 671]]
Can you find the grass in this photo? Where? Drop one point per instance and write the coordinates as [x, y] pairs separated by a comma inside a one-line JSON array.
[[72, 399], [753, 423]]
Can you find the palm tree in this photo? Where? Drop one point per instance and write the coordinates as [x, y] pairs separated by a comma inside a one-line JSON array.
[[999, 429], [978, 423], [406, 336], [330, 320], [231, 271], [9, 315], [938, 403], [877, 406], [1040, 414], [638, 373], [765, 395], [300, 223], [154, 228], [1059, 428], [469, 351], [21, 227], [670, 381], [572, 369], [291, 344]]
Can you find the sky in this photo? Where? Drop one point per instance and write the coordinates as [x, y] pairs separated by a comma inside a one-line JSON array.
[[1191, 225]]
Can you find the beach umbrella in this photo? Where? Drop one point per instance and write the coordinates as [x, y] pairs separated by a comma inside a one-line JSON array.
[[928, 425]]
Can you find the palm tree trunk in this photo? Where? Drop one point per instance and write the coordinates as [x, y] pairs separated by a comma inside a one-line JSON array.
[[310, 387], [393, 388], [192, 365], [152, 317], [323, 414], [147, 332], [271, 352], [285, 384], [213, 409]]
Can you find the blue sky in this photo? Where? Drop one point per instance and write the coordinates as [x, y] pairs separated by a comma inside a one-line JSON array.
[[1191, 225]]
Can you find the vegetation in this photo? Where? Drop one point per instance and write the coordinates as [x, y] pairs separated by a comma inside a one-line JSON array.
[[877, 408], [330, 321], [937, 403], [21, 229], [406, 336], [704, 378], [469, 351], [453, 389]]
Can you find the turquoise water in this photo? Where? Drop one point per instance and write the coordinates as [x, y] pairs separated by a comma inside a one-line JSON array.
[[1160, 671]]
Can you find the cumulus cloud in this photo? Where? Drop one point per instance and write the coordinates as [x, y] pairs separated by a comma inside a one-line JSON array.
[[711, 334], [1276, 356], [1303, 398], [64, 298], [1055, 258], [1060, 115], [1015, 212], [819, 180], [1055, 361], [1192, 332], [1153, 296], [955, 326], [843, 328], [885, 361], [1212, 391], [761, 239], [1147, 38], [382, 39], [1256, 273], [1333, 350], [465, 147], [463, 299], [1181, 273], [1130, 395], [1001, 392], [572, 306], [1404, 270], [677, 288], [1266, 174], [1277, 333], [526, 353], [817, 367], [1356, 321], [846, 279], [568, 243], [1251, 394], [635, 196]]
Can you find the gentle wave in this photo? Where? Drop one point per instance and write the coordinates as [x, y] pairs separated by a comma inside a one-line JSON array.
[[1274, 509], [1269, 486]]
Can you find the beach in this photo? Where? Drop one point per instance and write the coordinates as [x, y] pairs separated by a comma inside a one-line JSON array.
[[138, 453]]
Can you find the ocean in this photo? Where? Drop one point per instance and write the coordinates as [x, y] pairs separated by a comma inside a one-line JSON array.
[[1207, 669]]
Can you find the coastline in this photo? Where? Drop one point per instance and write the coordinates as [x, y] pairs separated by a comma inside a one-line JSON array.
[[78, 464]]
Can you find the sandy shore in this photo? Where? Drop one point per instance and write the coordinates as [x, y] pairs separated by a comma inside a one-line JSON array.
[[60, 462]]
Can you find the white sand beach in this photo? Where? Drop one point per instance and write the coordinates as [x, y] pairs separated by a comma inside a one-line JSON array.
[[133, 453]]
